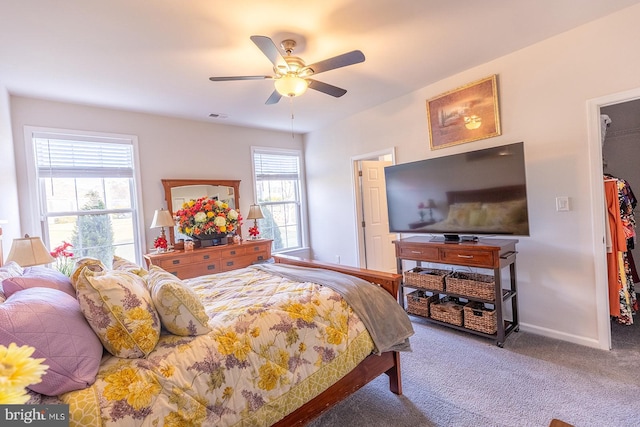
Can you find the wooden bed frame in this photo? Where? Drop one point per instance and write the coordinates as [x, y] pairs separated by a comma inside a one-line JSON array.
[[370, 368]]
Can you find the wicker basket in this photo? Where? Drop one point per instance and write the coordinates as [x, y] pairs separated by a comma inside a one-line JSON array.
[[418, 303], [479, 318], [448, 310], [473, 285], [427, 278]]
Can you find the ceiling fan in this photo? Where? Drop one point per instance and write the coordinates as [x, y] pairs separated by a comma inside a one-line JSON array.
[[292, 76]]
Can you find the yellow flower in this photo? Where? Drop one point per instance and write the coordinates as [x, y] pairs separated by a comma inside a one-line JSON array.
[[18, 368], [127, 385], [167, 371], [269, 375], [146, 337], [228, 392], [13, 395], [299, 311], [230, 343], [118, 338]]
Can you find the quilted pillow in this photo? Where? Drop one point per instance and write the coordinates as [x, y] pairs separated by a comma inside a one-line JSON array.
[[180, 310], [38, 277], [118, 307], [94, 264], [50, 321], [123, 264]]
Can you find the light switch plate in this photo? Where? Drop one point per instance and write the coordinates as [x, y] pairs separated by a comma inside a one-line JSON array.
[[562, 203]]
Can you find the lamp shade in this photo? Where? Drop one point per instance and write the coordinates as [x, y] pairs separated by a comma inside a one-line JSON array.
[[290, 85], [29, 251], [162, 218], [255, 212]]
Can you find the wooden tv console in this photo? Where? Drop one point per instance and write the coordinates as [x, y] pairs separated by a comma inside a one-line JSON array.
[[493, 254]]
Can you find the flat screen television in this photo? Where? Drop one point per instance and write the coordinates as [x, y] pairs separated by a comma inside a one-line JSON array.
[[477, 193]]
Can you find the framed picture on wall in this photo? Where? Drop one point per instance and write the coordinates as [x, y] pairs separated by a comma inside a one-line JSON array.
[[465, 114]]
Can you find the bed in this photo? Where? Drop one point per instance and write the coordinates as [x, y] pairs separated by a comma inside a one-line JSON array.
[[278, 346], [500, 210]]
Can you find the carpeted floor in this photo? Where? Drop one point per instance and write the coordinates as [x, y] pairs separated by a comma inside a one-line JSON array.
[[456, 379]]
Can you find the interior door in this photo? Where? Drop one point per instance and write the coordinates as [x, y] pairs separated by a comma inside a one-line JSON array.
[[379, 249]]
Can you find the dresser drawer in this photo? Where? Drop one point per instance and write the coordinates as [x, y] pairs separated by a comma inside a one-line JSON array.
[[418, 252], [238, 262], [467, 257], [233, 251], [194, 270]]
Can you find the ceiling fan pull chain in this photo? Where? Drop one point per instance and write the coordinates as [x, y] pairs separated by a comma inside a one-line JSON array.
[[291, 104]]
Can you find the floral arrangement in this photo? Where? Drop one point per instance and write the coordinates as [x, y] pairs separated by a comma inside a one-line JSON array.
[[207, 216], [17, 371], [160, 243], [64, 258]]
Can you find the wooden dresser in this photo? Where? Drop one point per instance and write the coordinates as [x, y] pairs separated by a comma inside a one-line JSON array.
[[214, 259]]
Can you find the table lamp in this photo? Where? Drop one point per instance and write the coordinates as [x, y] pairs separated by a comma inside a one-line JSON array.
[[29, 251], [255, 213], [162, 218]]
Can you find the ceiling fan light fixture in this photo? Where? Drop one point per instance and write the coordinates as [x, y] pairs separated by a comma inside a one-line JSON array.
[[291, 85]]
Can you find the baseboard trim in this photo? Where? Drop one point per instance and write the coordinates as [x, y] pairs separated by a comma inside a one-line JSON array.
[[563, 336]]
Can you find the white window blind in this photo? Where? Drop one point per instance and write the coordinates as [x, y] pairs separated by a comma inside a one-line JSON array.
[[275, 166], [59, 157]]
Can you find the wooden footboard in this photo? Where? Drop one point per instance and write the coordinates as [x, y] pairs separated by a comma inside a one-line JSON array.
[[370, 368]]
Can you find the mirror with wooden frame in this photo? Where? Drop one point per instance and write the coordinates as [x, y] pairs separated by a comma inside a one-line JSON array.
[[179, 191]]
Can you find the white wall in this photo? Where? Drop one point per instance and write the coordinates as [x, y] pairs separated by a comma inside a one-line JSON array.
[[543, 93], [8, 181], [168, 148]]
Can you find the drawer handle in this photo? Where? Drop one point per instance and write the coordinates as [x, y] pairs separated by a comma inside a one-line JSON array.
[[416, 252], [233, 252], [465, 256], [175, 262], [260, 257], [205, 257], [229, 263], [211, 267], [256, 248], [175, 273]]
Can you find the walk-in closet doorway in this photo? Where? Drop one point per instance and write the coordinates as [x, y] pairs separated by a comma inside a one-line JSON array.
[[618, 154], [620, 158]]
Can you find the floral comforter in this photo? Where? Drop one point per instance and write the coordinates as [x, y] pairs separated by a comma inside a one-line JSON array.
[[274, 345]]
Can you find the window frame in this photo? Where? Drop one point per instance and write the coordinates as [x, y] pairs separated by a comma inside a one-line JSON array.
[[37, 217], [302, 205]]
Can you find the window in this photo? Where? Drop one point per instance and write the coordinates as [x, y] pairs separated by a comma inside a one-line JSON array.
[[87, 194], [278, 182]]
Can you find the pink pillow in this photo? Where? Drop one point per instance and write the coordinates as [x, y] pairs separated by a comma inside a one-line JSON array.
[[38, 277], [51, 321]]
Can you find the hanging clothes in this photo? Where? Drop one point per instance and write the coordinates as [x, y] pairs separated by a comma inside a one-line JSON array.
[[620, 204]]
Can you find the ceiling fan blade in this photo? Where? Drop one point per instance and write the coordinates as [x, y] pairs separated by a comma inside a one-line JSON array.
[[274, 98], [339, 61], [270, 50], [226, 79], [326, 88]]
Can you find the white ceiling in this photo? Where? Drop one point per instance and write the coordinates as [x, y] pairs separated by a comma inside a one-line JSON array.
[[156, 56]]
